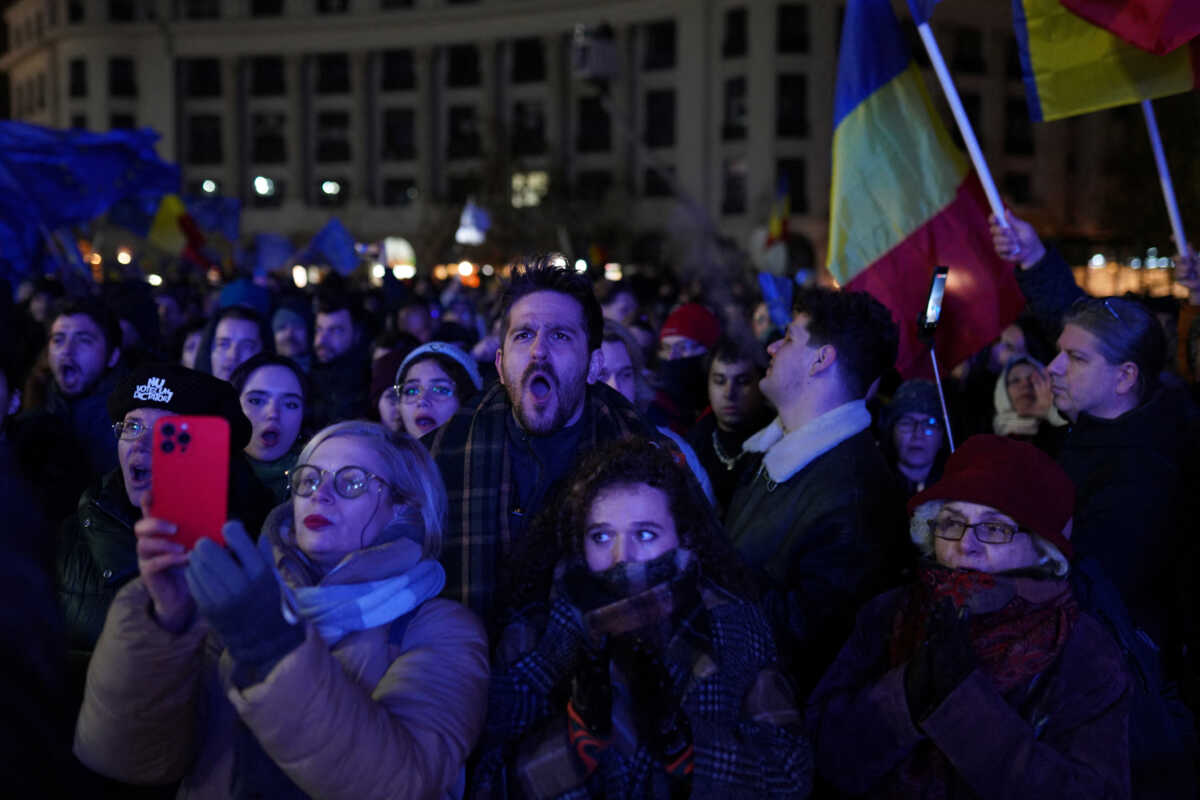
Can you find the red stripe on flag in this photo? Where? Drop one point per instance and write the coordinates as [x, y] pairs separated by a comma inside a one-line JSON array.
[[982, 296], [1156, 26]]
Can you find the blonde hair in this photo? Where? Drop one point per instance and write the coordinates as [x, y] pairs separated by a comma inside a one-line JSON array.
[[1050, 559], [410, 472]]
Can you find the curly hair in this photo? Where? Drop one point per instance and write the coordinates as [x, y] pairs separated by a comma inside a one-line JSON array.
[[549, 273], [632, 461], [858, 326]]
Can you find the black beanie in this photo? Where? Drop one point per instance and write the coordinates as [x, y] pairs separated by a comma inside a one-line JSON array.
[[180, 390]]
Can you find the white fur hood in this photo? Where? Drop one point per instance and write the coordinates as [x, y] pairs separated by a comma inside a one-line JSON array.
[[787, 454]]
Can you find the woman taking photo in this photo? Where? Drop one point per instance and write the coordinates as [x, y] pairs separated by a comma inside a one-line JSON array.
[[320, 663], [649, 677], [272, 390], [982, 679]]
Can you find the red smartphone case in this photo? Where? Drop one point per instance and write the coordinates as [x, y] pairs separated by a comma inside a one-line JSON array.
[[189, 476]]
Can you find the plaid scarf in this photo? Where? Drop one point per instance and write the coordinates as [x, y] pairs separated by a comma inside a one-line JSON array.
[[472, 455], [1019, 626]]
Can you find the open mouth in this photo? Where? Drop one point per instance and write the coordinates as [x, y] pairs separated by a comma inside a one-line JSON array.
[[425, 422], [269, 437], [539, 387], [139, 475]]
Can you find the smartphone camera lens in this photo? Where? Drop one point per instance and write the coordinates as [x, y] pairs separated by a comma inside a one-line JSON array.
[[184, 438], [168, 429], [168, 446]]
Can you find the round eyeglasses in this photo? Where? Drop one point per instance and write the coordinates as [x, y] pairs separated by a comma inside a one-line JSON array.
[[908, 425], [129, 431], [349, 482], [436, 392], [989, 532]]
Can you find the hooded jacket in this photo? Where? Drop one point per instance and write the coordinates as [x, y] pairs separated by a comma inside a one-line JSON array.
[[376, 715]]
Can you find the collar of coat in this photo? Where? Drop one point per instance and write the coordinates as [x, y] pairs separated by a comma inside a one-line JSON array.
[[787, 454]]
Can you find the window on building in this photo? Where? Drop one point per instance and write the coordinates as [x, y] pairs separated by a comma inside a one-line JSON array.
[[77, 80], [528, 128], [333, 136], [399, 191], [595, 126], [791, 106], [399, 134], [267, 76], [593, 185], [266, 8], [734, 43], [333, 6], [268, 138], [733, 186], [396, 71], [1012, 60], [463, 140], [658, 40], [75, 11], [655, 184], [204, 139], [122, 122], [528, 61], [460, 187], [660, 118], [968, 52], [791, 172], [267, 192], [41, 91], [333, 73], [79, 122], [1017, 188], [122, 10], [202, 9], [973, 105], [462, 65], [332, 191], [1018, 131], [791, 24], [122, 80], [201, 77], [733, 128]]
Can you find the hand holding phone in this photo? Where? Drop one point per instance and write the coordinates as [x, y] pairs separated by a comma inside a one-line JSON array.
[[189, 483]]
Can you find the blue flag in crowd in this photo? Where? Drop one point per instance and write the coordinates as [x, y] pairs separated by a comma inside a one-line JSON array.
[[271, 251], [63, 177], [135, 213], [335, 245], [215, 213]]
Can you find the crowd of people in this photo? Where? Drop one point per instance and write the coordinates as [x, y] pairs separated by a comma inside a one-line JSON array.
[[564, 539]]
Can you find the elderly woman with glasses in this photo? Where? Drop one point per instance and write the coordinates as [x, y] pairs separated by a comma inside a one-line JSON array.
[[983, 678], [318, 663]]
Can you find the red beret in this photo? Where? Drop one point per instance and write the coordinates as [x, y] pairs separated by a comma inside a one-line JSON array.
[[1016, 479], [693, 321]]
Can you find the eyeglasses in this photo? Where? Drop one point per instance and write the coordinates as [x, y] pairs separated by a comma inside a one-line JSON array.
[[130, 430], [349, 482], [989, 532], [437, 392], [928, 426]]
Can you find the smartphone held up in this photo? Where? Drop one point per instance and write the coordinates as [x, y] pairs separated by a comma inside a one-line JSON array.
[[190, 476]]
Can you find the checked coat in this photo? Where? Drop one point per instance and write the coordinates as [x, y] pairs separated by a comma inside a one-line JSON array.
[[472, 452]]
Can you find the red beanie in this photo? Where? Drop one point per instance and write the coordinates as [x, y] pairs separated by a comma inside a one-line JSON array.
[[693, 321], [1016, 479]]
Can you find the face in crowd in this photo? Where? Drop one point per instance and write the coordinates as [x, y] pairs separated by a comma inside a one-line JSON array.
[[415, 320], [792, 359], [674, 347], [617, 370], [191, 348], [1010, 345], [349, 506], [234, 341], [334, 335], [629, 523], [1021, 383], [544, 361], [134, 449], [733, 393], [428, 397], [1007, 548], [1081, 380], [917, 438], [79, 354], [622, 308], [291, 339], [273, 400]]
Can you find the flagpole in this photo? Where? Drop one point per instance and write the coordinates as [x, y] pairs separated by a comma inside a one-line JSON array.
[[1164, 178], [964, 123]]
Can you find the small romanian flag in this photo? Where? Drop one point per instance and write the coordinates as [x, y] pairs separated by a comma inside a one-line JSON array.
[[781, 209], [1071, 66], [903, 200]]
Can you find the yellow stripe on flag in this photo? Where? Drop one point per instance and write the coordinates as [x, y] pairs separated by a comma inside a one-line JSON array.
[[894, 168], [164, 231]]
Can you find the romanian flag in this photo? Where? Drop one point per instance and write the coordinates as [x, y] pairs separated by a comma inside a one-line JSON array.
[[1074, 67], [904, 201], [781, 209], [1156, 26]]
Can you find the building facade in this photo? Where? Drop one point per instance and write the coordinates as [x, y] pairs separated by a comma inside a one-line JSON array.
[[386, 111]]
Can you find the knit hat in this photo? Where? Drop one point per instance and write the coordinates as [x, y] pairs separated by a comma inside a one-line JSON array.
[[180, 390], [244, 292], [913, 397], [284, 317], [450, 351], [693, 321], [1012, 477]]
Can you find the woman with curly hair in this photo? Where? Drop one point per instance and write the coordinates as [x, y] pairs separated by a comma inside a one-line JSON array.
[[646, 672]]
